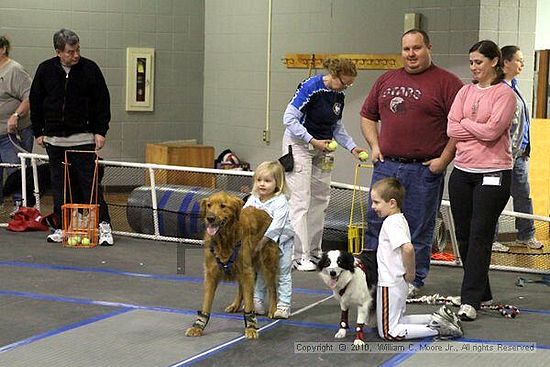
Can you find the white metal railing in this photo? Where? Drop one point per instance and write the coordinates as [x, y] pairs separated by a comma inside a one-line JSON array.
[[152, 167]]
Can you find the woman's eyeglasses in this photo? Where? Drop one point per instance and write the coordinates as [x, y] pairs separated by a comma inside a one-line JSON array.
[[344, 84]]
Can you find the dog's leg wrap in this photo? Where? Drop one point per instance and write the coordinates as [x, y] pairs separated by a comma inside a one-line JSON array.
[[250, 320], [359, 333], [344, 324], [202, 320]]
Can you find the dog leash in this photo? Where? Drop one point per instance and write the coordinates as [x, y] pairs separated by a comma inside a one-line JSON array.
[[508, 311]]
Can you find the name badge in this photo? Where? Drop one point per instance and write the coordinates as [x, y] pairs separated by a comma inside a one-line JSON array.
[[492, 180]]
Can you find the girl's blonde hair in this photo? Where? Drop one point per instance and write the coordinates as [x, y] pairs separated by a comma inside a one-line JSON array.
[[275, 169]]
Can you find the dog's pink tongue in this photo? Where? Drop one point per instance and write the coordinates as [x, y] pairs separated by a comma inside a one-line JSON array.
[[332, 283], [211, 230]]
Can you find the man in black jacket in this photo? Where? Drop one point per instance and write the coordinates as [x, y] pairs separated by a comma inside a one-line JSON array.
[[70, 110]]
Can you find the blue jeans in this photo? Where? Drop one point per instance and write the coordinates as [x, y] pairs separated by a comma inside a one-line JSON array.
[[26, 139], [520, 192], [284, 283], [423, 191], [8, 154]]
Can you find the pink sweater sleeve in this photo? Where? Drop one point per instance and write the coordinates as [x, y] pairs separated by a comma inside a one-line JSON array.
[[502, 110], [456, 115]]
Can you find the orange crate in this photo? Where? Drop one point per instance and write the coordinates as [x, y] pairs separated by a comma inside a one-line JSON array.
[[80, 221]]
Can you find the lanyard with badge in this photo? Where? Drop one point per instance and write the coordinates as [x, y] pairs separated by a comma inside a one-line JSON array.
[[492, 179]]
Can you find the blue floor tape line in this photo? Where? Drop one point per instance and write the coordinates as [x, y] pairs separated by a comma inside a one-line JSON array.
[[86, 301], [486, 341], [174, 278], [91, 320], [401, 357], [215, 350], [125, 307]]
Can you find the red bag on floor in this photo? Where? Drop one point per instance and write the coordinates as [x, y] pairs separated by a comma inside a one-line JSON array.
[[27, 219]]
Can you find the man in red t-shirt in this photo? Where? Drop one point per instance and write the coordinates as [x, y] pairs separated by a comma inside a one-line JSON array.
[[410, 105]]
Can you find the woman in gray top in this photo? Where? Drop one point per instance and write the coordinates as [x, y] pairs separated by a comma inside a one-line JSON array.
[[15, 84]]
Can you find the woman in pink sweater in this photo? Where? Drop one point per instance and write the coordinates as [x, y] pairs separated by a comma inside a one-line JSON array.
[[479, 186]]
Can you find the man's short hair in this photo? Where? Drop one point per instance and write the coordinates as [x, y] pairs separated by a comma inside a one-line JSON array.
[[64, 37], [424, 35]]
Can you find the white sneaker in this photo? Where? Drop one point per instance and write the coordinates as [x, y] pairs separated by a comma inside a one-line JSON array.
[[532, 243], [283, 312], [259, 307], [306, 265], [316, 258], [467, 313], [16, 205], [413, 291], [499, 247], [56, 236], [105, 236], [446, 323]]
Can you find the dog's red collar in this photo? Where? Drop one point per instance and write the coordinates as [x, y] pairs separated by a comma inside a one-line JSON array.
[[343, 290], [361, 266]]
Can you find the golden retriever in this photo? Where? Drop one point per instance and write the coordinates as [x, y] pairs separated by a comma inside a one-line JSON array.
[[230, 240]]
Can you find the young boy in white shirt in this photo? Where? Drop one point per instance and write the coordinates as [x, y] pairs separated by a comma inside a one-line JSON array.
[[396, 268]]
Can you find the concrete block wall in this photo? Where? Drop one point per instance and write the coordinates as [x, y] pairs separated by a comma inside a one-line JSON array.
[[236, 45], [512, 22], [211, 57], [453, 27], [236, 57], [175, 28]]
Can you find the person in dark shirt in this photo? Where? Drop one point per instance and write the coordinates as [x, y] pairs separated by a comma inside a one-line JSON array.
[[70, 110]]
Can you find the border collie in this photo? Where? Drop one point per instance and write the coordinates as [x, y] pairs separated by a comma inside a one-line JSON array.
[[353, 282]]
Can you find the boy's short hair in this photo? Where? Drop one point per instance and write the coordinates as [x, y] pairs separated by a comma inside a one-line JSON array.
[[390, 188]]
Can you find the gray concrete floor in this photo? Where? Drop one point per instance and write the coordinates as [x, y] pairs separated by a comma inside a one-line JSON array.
[[127, 305]]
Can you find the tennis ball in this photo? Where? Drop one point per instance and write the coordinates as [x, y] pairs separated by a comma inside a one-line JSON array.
[[85, 241], [77, 239], [363, 156], [332, 145], [71, 241]]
